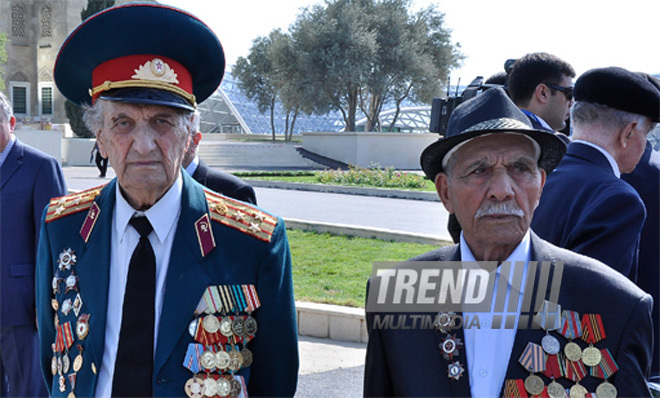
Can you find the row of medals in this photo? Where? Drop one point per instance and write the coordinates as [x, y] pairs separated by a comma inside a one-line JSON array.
[[215, 357], [61, 363], [589, 356]]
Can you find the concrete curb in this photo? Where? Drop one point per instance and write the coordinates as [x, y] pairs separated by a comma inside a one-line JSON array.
[[331, 321], [379, 192], [364, 232]]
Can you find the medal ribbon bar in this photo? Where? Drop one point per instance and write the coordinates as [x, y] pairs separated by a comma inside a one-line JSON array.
[[592, 326], [533, 358], [570, 327], [575, 371]]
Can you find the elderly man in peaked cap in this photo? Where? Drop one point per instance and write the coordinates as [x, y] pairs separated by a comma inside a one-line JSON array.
[[490, 170], [152, 285], [586, 207]]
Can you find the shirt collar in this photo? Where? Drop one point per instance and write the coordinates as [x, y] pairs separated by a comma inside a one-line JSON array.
[[538, 119], [193, 165], [610, 158], [5, 152], [159, 215], [522, 252]]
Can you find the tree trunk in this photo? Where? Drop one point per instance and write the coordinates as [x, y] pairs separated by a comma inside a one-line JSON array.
[[293, 123], [272, 117]]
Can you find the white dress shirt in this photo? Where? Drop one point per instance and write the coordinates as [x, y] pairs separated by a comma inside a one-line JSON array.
[[610, 158], [193, 165], [488, 350], [163, 216]]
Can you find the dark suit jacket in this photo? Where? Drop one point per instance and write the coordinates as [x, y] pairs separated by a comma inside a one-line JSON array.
[[239, 257], [224, 183], [408, 362], [586, 209], [646, 181], [29, 178]]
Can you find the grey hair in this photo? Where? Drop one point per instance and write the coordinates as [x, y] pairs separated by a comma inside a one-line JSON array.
[[6, 111], [93, 117], [586, 113]]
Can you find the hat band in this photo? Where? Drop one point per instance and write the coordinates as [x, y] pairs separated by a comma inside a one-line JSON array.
[[108, 85]]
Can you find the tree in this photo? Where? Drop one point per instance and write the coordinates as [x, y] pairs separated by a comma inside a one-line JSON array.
[[255, 75], [73, 111], [3, 59], [368, 53]]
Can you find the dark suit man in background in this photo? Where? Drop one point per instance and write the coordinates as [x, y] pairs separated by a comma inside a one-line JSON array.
[[29, 178], [219, 181], [541, 85], [152, 285], [585, 206], [490, 170]]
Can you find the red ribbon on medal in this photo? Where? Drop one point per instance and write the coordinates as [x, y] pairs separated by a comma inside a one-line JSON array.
[[607, 366], [570, 324], [515, 389], [68, 334], [575, 371], [252, 298], [59, 340], [592, 326], [553, 366]]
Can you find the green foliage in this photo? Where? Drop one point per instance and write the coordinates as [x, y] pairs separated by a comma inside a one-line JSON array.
[[373, 177], [74, 113], [3, 59], [94, 6], [334, 269], [275, 173]]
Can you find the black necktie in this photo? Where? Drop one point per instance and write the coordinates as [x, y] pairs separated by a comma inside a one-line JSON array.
[[135, 363]]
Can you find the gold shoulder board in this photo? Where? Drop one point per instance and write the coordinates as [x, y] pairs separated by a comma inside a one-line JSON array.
[[70, 204], [241, 216]]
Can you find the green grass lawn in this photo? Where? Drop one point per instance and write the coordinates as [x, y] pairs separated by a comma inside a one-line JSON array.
[[334, 269], [311, 179]]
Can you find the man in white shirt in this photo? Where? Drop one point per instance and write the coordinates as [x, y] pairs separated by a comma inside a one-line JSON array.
[[490, 170], [152, 285]]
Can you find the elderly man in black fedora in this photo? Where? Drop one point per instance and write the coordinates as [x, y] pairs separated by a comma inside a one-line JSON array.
[[490, 170]]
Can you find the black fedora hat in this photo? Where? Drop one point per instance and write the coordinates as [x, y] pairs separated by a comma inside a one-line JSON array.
[[488, 113], [144, 53]]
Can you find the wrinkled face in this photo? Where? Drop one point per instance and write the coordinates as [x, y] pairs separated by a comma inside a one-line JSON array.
[[145, 145], [557, 110], [493, 186]]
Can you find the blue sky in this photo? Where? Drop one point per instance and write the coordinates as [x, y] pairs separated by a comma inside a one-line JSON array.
[[585, 33]]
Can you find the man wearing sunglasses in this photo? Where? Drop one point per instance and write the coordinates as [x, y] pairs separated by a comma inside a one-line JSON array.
[[585, 206], [540, 84]]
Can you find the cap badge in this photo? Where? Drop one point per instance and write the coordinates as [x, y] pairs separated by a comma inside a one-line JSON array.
[[157, 70]]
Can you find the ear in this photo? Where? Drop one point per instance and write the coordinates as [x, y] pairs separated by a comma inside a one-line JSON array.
[[442, 187], [541, 92], [625, 134], [99, 140], [196, 137], [12, 123]]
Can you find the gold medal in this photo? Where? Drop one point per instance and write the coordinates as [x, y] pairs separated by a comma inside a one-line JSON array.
[[247, 357], [211, 323], [71, 395], [235, 361], [223, 387], [572, 351], [208, 359], [591, 356], [78, 363], [210, 387], [556, 390], [577, 391], [225, 327], [222, 360], [534, 384], [606, 390], [55, 304]]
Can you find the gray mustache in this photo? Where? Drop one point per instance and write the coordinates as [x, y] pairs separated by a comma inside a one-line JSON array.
[[502, 209]]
